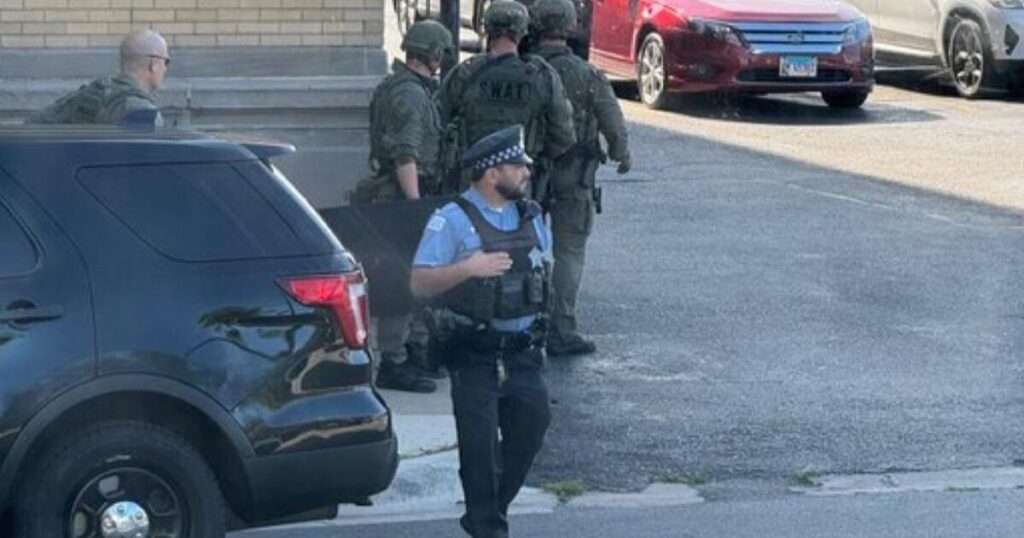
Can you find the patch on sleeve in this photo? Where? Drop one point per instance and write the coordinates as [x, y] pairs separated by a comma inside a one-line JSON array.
[[436, 223]]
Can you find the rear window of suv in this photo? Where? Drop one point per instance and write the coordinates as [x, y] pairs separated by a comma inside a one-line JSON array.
[[195, 212]]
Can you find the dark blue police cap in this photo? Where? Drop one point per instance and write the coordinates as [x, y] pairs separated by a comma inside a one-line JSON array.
[[500, 147]]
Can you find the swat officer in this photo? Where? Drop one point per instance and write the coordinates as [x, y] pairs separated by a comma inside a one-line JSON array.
[[575, 195], [127, 98], [405, 123], [500, 88], [405, 144], [482, 259]]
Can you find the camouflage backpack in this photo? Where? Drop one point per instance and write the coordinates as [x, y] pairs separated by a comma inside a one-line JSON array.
[[93, 103], [580, 80]]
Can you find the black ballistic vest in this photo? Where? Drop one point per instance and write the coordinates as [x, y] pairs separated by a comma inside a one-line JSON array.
[[522, 290]]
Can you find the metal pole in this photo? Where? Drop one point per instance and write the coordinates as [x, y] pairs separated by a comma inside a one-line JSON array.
[[450, 18]]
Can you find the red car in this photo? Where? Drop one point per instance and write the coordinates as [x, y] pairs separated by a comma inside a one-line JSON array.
[[750, 46]]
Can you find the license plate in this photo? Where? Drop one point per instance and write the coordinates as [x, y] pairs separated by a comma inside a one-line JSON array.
[[798, 67]]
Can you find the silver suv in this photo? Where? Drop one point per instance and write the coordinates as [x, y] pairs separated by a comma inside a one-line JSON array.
[[978, 41]]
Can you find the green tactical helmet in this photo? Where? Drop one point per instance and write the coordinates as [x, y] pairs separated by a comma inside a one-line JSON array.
[[553, 16], [506, 16], [428, 38]]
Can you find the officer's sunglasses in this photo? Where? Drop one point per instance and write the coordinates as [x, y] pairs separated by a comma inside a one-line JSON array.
[[167, 61]]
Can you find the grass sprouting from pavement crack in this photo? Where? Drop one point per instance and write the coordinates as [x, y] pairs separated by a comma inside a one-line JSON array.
[[566, 490], [675, 477], [962, 489], [806, 478]]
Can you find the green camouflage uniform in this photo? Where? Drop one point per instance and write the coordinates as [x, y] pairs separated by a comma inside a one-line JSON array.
[[596, 112], [405, 126], [102, 101]]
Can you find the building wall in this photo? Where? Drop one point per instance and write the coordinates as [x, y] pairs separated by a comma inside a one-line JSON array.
[[193, 23], [297, 71]]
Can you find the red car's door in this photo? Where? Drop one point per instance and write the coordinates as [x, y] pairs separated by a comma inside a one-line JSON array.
[[612, 33]]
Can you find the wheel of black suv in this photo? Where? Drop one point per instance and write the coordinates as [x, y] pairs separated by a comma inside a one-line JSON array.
[[970, 63], [650, 69], [406, 11], [847, 99], [118, 479]]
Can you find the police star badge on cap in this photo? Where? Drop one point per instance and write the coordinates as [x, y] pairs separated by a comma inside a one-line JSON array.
[[500, 147]]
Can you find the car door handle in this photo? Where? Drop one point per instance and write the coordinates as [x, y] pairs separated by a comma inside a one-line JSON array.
[[28, 315]]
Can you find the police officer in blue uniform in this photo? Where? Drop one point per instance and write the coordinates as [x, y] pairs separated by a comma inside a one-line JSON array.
[[482, 260]]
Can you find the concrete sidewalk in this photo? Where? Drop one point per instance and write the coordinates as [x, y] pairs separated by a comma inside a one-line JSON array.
[[423, 422], [427, 485]]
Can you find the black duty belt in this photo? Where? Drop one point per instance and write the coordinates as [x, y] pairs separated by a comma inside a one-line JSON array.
[[491, 341]]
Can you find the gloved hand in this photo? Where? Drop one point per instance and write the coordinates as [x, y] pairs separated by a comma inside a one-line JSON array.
[[625, 164]]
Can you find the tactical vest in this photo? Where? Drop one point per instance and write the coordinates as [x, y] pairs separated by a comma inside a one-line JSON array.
[[501, 92], [522, 290], [94, 102]]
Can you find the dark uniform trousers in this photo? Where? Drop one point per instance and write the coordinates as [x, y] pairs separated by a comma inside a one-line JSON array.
[[572, 221], [493, 468]]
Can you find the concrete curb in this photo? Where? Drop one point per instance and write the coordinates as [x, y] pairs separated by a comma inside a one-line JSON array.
[[428, 488], [654, 496], [427, 485], [957, 480]]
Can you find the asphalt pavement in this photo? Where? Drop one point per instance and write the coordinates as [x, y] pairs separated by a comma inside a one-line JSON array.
[[763, 322], [758, 316], [787, 300]]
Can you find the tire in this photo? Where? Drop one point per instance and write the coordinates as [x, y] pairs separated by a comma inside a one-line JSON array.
[[407, 13], [104, 466], [969, 58], [650, 73], [845, 100]]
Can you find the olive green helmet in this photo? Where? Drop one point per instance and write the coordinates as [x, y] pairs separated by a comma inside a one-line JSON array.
[[428, 39], [506, 16], [553, 17]]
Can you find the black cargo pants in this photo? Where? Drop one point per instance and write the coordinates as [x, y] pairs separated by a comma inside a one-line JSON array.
[[492, 467]]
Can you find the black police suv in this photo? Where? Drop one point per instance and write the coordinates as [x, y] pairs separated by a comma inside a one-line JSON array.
[[182, 342]]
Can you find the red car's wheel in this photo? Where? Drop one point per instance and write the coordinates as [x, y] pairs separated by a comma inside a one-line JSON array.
[[650, 69]]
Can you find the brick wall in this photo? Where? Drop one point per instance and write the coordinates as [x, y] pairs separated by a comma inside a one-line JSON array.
[[193, 23]]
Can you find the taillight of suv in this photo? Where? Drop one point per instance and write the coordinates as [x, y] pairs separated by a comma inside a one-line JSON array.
[[344, 295]]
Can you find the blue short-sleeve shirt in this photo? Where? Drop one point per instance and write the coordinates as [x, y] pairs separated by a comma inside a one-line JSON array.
[[450, 237]]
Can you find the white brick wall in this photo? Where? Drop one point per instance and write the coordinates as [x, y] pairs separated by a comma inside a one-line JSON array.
[[193, 23]]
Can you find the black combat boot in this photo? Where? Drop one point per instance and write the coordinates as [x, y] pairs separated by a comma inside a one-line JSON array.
[[571, 344], [404, 376], [418, 356]]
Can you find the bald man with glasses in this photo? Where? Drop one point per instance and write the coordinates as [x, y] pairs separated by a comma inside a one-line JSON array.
[[124, 99]]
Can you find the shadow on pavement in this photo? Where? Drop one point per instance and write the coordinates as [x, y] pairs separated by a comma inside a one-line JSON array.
[[937, 82], [784, 109], [931, 81]]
